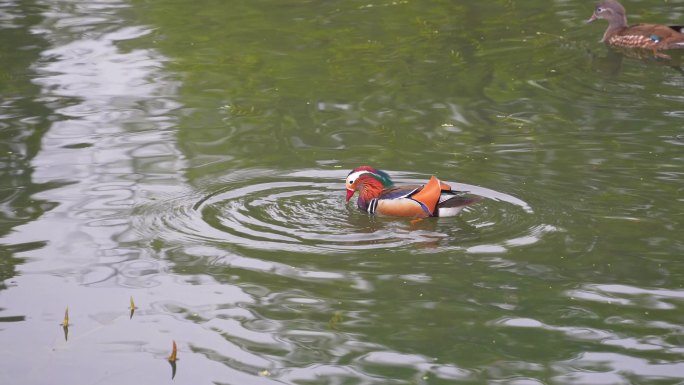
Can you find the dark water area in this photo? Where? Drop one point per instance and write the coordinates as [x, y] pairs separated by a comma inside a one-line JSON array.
[[190, 157]]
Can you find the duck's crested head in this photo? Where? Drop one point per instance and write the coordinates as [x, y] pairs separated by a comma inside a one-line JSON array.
[[610, 10], [363, 176]]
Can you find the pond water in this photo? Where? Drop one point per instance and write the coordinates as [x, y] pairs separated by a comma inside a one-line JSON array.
[[190, 157]]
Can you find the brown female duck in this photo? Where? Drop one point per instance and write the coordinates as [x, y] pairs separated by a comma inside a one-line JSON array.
[[648, 36]]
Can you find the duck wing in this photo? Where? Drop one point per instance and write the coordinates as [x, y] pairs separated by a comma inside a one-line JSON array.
[[654, 36], [397, 202], [452, 202], [409, 201]]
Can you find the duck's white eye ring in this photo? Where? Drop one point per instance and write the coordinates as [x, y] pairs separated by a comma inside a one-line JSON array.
[[599, 10], [351, 181]]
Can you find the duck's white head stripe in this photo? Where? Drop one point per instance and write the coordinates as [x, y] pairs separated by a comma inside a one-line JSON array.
[[353, 176]]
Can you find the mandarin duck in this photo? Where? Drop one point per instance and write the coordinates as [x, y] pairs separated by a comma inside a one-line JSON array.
[[379, 195], [647, 36]]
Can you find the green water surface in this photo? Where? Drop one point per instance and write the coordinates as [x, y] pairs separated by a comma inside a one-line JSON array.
[[191, 156]]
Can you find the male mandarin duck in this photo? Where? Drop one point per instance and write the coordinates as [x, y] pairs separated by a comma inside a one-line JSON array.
[[379, 195], [648, 36]]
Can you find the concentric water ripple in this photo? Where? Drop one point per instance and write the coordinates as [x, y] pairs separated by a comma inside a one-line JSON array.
[[305, 211]]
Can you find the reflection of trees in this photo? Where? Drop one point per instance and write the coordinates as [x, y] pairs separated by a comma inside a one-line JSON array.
[[23, 122], [342, 76], [75, 105]]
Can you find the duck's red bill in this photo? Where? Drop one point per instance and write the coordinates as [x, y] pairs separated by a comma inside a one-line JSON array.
[[349, 194]]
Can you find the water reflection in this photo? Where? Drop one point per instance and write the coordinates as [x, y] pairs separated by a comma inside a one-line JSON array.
[[78, 133], [609, 62], [610, 368], [23, 121], [107, 110], [629, 296]]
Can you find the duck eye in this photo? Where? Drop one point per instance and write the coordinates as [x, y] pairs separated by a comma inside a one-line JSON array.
[[599, 9], [351, 181]]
